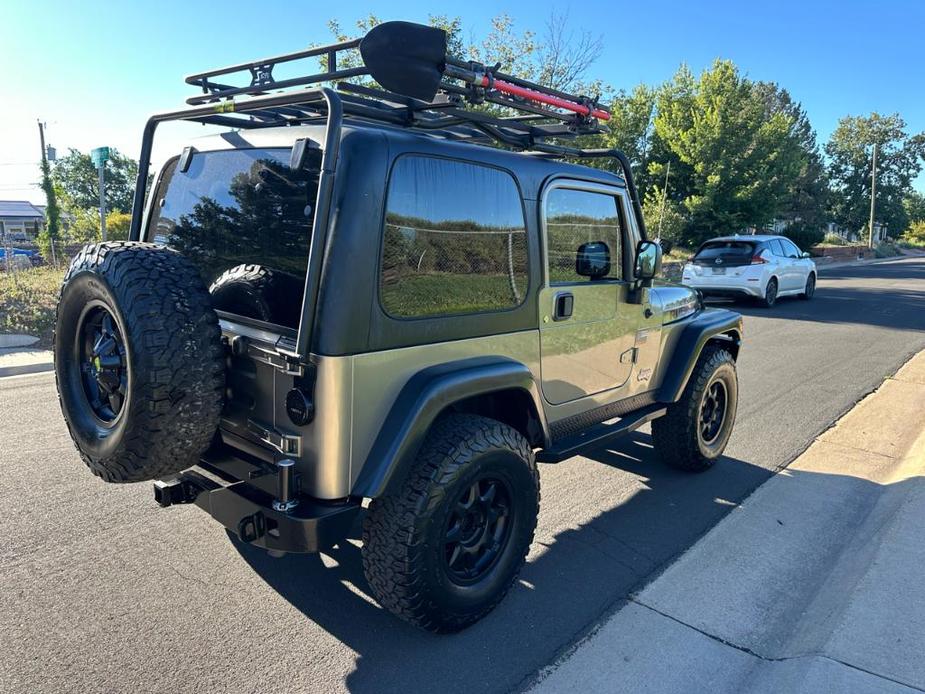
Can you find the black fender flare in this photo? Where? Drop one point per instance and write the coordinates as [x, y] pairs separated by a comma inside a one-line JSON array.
[[705, 326], [421, 400]]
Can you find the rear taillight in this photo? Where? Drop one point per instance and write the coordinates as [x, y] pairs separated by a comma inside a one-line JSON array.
[[758, 260]]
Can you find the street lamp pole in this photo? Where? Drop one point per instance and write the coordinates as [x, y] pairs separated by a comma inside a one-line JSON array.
[[873, 199]]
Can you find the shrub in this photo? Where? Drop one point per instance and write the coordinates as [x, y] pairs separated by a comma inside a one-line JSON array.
[[834, 240], [915, 234], [886, 250]]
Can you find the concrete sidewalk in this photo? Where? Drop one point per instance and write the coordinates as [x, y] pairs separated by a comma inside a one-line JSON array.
[[816, 583]]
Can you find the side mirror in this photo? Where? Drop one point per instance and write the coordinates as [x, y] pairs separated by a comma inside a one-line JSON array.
[[593, 260], [648, 262], [804, 254]]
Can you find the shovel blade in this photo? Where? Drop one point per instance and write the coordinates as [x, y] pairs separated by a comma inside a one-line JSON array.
[[406, 58]]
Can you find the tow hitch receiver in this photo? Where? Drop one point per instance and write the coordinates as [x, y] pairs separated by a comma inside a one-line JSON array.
[[279, 521], [184, 489]]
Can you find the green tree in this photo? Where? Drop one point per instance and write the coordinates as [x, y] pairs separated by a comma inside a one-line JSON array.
[[79, 179], [899, 160], [805, 202], [631, 130], [741, 156], [49, 236], [914, 204]]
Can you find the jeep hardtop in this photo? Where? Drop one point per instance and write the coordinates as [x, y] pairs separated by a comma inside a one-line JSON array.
[[385, 300]]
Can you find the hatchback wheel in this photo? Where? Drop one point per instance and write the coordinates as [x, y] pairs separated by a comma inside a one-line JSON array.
[[770, 293]]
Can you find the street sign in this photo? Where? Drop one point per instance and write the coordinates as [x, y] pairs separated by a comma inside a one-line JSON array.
[[99, 156]]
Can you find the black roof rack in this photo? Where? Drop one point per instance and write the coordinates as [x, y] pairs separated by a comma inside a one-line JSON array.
[[421, 88], [538, 113]]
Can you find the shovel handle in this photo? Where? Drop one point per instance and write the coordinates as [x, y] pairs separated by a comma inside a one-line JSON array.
[[548, 99]]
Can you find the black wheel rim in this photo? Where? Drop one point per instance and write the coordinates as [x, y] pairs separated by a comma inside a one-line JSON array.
[[713, 411], [102, 359], [477, 530], [771, 293]]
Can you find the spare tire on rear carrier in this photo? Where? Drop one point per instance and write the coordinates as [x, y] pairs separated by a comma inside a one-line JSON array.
[[138, 361]]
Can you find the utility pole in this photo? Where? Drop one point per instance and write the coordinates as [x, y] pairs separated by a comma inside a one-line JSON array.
[[103, 200], [661, 214], [873, 199]]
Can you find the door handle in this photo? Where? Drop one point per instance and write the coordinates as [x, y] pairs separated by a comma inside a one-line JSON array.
[[564, 304]]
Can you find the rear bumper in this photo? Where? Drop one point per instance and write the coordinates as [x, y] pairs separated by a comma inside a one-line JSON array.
[[247, 510], [731, 290]]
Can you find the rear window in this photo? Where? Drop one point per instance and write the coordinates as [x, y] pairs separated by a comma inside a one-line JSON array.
[[727, 251], [244, 218]]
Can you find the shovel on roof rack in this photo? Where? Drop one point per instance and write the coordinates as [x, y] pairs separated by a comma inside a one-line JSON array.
[[411, 59]]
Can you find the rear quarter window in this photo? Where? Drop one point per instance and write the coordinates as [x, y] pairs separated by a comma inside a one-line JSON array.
[[454, 240]]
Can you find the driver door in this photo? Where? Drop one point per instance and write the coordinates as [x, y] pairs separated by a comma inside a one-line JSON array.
[[586, 333]]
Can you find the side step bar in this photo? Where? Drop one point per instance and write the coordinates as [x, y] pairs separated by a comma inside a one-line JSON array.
[[599, 434]]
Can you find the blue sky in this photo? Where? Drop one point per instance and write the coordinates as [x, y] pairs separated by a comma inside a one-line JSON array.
[[95, 70]]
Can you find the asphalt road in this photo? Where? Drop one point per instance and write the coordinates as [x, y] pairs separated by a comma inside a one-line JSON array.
[[102, 591]]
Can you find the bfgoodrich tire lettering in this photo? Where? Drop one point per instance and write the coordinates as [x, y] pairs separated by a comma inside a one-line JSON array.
[[682, 438], [405, 534], [170, 360]]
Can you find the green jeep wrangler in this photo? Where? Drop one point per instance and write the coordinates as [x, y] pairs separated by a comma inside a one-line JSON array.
[[387, 299]]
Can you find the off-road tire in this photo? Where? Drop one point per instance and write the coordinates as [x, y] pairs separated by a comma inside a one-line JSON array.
[[403, 533], [676, 436], [172, 360], [770, 297], [810, 289]]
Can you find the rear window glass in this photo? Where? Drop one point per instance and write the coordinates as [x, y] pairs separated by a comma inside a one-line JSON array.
[[454, 240], [244, 218], [726, 250]]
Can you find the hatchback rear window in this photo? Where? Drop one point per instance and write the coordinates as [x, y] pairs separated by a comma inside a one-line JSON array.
[[726, 251], [244, 218]]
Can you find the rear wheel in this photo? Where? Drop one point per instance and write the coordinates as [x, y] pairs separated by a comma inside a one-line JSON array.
[[810, 287], [138, 361], [442, 551], [695, 431], [770, 293]]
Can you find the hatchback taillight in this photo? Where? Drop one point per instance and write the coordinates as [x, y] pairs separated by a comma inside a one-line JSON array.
[[758, 260]]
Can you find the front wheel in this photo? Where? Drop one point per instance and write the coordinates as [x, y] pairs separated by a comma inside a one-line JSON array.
[[695, 431], [442, 551]]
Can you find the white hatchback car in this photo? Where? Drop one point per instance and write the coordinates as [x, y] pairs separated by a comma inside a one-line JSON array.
[[762, 267]]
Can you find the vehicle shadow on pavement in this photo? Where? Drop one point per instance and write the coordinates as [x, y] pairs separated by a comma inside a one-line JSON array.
[[887, 307], [573, 575]]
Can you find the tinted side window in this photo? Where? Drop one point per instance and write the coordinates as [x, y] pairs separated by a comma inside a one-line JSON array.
[[574, 217], [455, 240], [777, 248], [243, 218], [790, 249]]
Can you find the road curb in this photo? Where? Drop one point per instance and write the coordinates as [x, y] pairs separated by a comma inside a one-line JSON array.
[[22, 362], [24, 369]]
